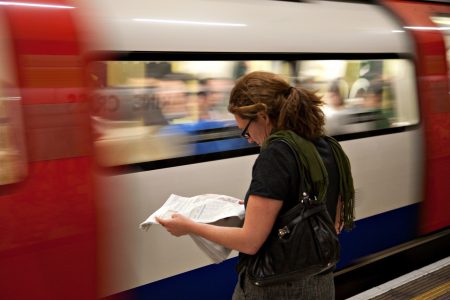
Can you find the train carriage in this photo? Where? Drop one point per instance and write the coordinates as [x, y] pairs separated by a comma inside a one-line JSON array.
[[114, 106]]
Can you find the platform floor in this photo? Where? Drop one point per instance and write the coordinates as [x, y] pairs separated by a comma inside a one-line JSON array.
[[431, 283]]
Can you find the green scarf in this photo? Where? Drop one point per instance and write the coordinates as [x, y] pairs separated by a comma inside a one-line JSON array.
[[311, 163]]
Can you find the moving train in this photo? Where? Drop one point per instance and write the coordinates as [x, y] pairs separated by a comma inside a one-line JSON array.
[[109, 107]]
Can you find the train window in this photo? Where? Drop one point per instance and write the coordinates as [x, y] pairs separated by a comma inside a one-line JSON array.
[[13, 161], [363, 95], [152, 110]]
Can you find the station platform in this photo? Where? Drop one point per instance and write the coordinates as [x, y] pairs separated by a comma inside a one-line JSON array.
[[431, 282]]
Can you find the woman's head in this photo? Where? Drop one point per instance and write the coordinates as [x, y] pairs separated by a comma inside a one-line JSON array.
[[266, 98]]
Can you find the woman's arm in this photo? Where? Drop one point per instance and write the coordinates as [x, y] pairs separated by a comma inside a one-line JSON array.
[[260, 216]]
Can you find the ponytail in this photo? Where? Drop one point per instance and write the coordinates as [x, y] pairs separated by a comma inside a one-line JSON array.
[[301, 113], [288, 108]]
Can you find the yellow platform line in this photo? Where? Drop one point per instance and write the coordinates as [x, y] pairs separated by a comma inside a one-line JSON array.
[[434, 293]]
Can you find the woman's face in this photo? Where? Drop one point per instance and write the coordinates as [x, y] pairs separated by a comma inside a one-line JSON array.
[[258, 129]]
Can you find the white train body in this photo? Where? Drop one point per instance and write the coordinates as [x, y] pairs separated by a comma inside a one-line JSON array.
[[387, 168]]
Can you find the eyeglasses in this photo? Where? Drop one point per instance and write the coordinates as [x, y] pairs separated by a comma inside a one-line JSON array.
[[244, 132]]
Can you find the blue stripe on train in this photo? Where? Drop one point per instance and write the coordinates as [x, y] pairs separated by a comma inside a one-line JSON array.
[[217, 282], [379, 232]]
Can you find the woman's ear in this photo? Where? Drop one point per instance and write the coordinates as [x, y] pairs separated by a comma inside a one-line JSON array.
[[263, 116]]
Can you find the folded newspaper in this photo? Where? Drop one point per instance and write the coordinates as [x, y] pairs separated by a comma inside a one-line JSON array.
[[214, 209]]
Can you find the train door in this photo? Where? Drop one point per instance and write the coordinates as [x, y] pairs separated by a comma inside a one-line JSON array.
[[428, 23], [47, 217]]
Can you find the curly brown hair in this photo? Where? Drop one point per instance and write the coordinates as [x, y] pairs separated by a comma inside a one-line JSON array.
[[288, 108]]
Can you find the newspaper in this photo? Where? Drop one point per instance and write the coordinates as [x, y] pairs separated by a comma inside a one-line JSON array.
[[214, 209]]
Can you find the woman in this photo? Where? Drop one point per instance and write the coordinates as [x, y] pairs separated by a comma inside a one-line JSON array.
[[267, 108]]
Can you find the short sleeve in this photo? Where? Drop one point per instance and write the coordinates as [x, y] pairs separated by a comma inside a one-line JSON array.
[[275, 173]]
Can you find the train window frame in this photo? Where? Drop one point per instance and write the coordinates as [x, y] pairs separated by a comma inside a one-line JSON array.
[[291, 58]]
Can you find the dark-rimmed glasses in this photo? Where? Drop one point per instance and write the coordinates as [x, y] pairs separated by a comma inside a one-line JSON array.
[[244, 132]]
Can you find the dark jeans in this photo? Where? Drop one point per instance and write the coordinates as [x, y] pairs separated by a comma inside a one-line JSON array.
[[319, 287]]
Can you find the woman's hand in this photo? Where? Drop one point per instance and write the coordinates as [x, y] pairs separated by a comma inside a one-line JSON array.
[[177, 225], [338, 220]]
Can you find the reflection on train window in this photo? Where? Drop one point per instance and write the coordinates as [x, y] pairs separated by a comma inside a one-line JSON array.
[[362, 95], [151, 110]]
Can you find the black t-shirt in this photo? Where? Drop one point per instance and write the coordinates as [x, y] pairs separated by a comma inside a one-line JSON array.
[[275, 175]]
